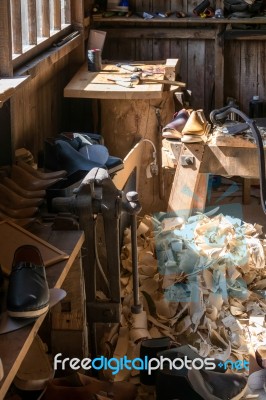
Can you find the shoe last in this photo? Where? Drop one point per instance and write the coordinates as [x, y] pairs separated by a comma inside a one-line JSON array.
[[28, 194], [26, 212], [28, 292], [11, 199], [173, 130], [39, 174], [196, 124], [28, 181]]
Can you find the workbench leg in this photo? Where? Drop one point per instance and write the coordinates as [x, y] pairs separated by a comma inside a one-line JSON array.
[[189, 187], [246, 190]]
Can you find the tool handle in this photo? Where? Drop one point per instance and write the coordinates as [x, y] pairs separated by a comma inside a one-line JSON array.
[[165, 81]]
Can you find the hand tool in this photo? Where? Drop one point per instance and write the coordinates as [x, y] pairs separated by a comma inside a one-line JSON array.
[[128, 67], [122, 82], [165, 81]]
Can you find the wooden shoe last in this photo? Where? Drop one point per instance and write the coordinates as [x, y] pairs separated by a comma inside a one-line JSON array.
[[14, 200], [28, 194], [28, 181], [39, 174]]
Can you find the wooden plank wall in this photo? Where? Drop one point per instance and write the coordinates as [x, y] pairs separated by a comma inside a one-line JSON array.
[[245, 70], [39, 107], [196, 67]]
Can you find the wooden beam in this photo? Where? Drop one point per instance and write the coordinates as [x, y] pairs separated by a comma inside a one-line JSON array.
[[219, 67], [6, 67], [16, 28], [45, 18], [57, 14], [160, 33], [245, 34], [32, 21]]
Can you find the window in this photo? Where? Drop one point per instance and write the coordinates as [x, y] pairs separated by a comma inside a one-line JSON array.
[[31, 27], [36, 24]]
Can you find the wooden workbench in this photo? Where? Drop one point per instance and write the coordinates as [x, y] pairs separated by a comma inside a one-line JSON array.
[[128, 115], [15, 345], [222, 155]]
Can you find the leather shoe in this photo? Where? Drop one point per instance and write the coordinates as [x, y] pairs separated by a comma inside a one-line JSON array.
[[198, 384], [150, 348], [29, 182], [196, 128], [41, 175], [173, 130], [11, 199], [28, 194], [28, 292]]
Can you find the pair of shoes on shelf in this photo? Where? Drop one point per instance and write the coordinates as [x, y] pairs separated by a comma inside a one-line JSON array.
[[188, 125], [174, 380], [28, 293], [79, 386]]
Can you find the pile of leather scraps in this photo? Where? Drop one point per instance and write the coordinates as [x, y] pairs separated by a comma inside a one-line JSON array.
[[202, 282]]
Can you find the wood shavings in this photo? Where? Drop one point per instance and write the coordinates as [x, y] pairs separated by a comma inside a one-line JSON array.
[[197, 284]]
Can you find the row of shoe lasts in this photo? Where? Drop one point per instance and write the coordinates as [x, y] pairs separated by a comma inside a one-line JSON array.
[[189, 126], [23, 192]]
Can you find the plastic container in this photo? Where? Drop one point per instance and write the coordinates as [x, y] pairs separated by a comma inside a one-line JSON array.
[[256, 107]]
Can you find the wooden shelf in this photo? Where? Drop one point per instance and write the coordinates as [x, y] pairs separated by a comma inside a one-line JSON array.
[[177, 21], [8, 86], [15, 345]]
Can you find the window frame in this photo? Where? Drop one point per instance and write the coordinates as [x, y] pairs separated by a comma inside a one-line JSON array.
[[8, 63]]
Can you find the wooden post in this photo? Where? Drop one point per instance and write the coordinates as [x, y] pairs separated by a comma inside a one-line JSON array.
[[6, 67], [219, 66]]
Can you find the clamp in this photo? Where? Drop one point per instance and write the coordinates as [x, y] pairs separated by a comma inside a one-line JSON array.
[[96, 195]]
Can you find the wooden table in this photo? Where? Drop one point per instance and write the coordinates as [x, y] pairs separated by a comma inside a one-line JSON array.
[[15, 345], [128, 115], [222, 155]]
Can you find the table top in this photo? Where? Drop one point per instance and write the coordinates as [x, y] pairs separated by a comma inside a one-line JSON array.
[[15, 345], [95, 85]]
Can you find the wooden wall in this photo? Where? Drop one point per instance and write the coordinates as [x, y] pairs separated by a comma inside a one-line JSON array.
[[196, 66], [40, 110], [245, 70]]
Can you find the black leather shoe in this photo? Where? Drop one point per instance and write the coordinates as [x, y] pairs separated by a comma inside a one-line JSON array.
[[149, 348], [192, 355], [195, 384], [28, 292]]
